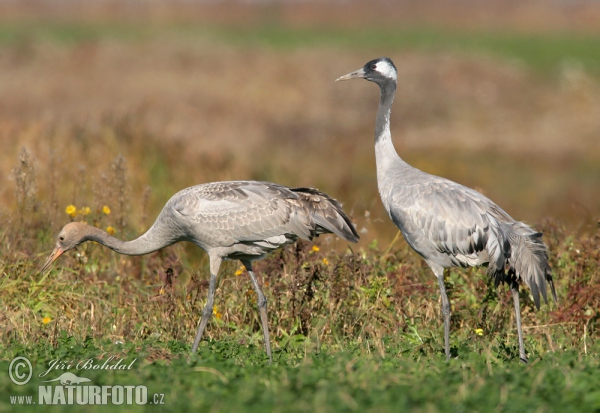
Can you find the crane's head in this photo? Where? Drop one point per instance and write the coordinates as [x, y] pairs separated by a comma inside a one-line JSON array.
[[72, 234], [380, 71]]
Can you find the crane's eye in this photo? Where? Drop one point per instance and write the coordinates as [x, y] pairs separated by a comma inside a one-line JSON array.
[[373, 66], [61, 238]]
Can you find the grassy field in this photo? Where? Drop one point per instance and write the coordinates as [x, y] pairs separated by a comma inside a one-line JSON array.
[[123, 115], [543, 52], [352, 331]]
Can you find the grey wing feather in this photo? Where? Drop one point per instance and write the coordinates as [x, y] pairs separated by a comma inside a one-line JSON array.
[[529, 260], [224, 213], [453, 225], [327, 214], [443, 218], [236, 211]]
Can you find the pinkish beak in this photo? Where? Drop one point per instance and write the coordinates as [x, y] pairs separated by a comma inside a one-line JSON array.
[[358, 74], [52, 257]]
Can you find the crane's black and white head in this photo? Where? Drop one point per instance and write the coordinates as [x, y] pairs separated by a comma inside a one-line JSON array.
[[380, 71]]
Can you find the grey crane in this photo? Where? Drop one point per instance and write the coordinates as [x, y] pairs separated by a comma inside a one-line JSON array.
[[449, 224], [242, 220]]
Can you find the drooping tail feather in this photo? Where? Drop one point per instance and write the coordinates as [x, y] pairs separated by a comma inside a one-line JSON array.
[[528, 260], [327, 214]]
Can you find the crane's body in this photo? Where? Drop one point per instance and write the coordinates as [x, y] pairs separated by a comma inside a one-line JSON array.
[[242, 220], [449, 224]]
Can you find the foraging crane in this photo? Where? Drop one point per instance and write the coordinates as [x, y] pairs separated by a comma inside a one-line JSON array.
[[449, 224], [242, 220]]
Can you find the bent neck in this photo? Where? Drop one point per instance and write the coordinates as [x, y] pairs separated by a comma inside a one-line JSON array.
[[145, 244]]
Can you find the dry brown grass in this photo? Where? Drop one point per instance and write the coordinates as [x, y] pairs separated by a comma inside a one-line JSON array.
[[183, 112], [362, 296]]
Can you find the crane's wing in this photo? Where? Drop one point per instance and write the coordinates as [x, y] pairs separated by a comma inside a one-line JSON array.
[[442, 219], [451, 219], [326, 213], [224, 213]]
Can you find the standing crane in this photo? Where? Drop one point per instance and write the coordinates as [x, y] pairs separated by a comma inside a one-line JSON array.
[[242, 220], [448, 224]]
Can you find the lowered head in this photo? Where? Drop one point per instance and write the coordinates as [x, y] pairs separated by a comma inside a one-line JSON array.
[[72, 234], [380, 71]]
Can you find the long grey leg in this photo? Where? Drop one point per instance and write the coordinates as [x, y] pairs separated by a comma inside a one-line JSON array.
[[439, 273], [262, 308], [514, 289], [215, 263]]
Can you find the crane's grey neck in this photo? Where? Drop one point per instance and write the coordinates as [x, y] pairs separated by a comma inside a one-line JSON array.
[[391, 169], [149, 242], [382, 124]]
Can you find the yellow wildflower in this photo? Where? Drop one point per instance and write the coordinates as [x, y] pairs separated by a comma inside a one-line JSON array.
[[251, 295], [239, 271], [325, 261], [315, 248], [105, 210], [111, 230], [85, 210], [162, 291], [46, 320], [216, 312], [479, 331], [71, 210]]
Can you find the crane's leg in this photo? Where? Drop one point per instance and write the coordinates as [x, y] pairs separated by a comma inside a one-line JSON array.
[[215, 263], [262, 307], [439, 273], [514, 289]]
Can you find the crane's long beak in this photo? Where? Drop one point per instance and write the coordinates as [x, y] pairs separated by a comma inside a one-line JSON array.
[[52, 257], [358, 74]]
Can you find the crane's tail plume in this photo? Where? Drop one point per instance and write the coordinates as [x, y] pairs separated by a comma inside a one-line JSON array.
[[327, 214], [528, 260]]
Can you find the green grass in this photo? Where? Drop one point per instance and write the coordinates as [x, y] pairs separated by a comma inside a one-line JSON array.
[[226, 376], [543, 52]]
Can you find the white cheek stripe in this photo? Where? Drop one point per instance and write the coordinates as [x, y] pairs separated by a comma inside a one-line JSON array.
[[386, 70]]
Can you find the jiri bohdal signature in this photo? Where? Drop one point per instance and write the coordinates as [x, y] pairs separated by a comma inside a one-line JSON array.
[[111, 363]]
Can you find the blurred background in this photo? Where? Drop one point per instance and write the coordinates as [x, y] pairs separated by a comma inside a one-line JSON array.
[[123, 103]]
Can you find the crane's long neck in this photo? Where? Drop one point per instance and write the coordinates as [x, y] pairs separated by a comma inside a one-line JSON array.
[[389, 164], [154, 239]]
